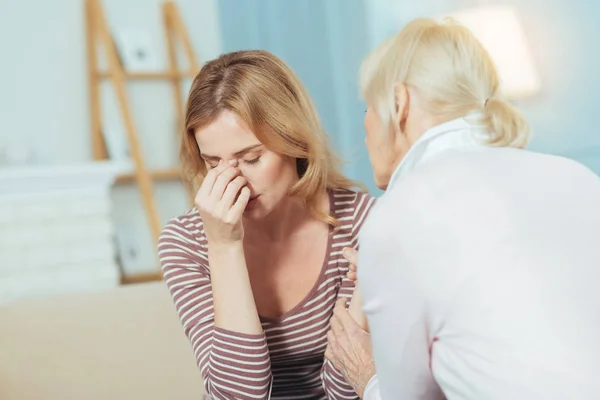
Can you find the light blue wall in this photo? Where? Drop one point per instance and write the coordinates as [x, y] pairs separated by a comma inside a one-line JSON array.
[[323, 41]]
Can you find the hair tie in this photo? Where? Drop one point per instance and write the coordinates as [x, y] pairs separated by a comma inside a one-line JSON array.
[[485, 102]]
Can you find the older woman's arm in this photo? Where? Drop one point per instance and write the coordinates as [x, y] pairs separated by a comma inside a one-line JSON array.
[[401, 276]]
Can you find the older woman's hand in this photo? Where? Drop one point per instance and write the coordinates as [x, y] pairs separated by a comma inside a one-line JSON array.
[[351, 255], [349, 349]]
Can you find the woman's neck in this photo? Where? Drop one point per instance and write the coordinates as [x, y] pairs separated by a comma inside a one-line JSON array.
[[283, 221]]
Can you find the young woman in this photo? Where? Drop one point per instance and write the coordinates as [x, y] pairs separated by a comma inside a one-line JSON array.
[[256, 267], [479, 265]]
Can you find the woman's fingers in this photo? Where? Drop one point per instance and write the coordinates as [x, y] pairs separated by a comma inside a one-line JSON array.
[[231, 192], [351, 275], [222, 181], [210, 179], [236, 211]]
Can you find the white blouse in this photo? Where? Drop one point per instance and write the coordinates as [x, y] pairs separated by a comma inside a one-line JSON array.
[[480, 270]]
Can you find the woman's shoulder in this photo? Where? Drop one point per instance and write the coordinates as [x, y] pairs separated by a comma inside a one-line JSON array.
[[351, 206], [186, 229]]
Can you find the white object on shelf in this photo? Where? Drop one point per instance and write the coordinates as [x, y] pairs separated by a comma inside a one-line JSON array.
[[56, 230], [136, 50]]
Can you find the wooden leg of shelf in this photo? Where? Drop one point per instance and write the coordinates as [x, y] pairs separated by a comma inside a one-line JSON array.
[[118, 78], [98, 145], [173, 26], [175, 80], [179, 27]]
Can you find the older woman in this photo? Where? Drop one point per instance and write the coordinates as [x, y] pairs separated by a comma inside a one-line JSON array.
[[479, 266]]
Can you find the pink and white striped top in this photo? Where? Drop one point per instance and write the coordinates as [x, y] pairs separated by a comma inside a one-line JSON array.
[[287, 360]]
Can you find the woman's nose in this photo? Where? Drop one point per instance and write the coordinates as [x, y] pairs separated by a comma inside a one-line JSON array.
[[236, 164]]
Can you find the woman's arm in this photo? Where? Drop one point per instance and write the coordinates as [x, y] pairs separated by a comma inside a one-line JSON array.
[[233, 364], [235, 309], [217, 306], [221, 201]]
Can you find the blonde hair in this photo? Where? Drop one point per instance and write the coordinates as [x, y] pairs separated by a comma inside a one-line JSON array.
[[266, 94], [450, 69]]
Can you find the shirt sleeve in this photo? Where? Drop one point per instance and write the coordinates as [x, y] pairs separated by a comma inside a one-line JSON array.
[[233, 365], [395, 267], [372, 389]]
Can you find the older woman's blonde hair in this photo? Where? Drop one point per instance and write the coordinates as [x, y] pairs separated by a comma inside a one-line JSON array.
[[266, 94], [451, 71]]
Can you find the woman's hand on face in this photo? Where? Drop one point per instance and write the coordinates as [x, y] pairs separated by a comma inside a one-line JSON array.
[[349, 349], [351, 255], [221, 201]]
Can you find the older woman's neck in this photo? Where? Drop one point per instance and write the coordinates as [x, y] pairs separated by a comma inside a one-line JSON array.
[[421, 123]]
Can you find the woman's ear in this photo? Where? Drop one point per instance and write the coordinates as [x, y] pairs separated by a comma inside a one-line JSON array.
[[402, 104]]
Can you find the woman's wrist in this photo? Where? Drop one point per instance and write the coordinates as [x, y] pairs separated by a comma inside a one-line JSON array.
[[225, 249]]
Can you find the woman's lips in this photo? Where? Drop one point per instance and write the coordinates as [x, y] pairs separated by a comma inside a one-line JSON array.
[[252, 202]]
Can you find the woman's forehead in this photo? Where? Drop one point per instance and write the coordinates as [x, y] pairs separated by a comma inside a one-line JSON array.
[[227, 135]]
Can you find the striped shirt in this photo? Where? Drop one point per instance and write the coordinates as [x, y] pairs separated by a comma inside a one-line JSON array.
[[286, 361]]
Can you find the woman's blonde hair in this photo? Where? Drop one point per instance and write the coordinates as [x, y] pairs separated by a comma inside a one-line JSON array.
[[266, 94], [450, 69]]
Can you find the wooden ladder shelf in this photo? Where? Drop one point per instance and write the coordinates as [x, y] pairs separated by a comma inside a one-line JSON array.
[[99, 38]]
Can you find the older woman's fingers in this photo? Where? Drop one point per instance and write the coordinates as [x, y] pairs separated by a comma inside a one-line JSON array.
[[345, 323], [331, 339], [337, 328], [332, 351], [329, 353], [351, 275], [334, 358], [350, 254], [331, 344], [340, 304]]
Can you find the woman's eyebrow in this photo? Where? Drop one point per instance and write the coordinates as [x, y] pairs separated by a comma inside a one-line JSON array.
[[236, 154]]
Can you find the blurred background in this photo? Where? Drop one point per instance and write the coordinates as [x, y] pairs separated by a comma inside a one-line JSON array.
[[89, 139]]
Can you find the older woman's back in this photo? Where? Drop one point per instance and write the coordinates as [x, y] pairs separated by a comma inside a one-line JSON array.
[[491, 261]]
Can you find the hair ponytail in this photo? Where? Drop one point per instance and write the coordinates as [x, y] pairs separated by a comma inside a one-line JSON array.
[[507, 125]]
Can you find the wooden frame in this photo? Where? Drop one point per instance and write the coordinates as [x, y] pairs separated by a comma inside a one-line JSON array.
[[100, 37]]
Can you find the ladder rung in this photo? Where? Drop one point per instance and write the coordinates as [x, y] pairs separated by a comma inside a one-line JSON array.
[[152, 75], [158, 174]]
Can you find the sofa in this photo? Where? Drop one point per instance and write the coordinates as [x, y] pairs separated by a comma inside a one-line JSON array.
[[123, 343]]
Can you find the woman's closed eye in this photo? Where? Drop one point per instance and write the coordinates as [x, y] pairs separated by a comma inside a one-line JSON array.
[[249, 162], [252, 161]]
